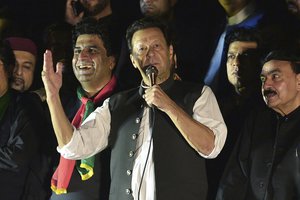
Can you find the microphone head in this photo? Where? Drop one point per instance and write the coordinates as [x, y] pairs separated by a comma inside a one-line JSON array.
[[151, 72]]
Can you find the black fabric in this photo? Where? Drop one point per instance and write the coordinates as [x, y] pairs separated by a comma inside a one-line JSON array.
[[23, 164], [265, 162], [179, 170], [97, 187]]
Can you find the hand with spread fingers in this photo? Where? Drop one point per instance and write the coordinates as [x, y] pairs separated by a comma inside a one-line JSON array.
[[52, 79]]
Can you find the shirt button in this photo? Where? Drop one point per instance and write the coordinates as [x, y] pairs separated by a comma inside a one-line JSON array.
[[128, 191], [137, 120], [129, 172], [131, 153], [261, 184], [134, 136]]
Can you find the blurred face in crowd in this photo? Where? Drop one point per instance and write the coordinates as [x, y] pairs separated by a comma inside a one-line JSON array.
[[91, 65], [156, 7], [232, 7], [280, 86], [4, 80], [242, 64], [94, 7], [149, 47], [294, 7], [23, 73], [60, 44]]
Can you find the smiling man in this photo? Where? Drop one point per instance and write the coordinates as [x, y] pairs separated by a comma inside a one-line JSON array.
[[183, 124], [93, 63], [265, 163]]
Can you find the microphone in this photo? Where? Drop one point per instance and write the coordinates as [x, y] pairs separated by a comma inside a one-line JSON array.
[[152, 72]]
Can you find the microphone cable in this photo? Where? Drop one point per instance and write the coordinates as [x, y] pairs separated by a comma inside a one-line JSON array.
[[151, 126]]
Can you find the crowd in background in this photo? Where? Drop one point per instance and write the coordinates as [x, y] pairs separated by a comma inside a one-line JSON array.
[[214, 43]]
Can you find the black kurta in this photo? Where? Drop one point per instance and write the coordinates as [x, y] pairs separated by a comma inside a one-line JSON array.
[[22, 173], [265, 163]]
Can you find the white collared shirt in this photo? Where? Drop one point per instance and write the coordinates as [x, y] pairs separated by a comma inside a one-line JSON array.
[[92, 137]]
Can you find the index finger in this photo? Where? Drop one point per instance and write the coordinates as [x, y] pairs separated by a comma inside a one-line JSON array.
[[48, 62]]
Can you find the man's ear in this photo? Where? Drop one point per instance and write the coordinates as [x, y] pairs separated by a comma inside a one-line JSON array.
[[171, 50], [298, 81], [112, 64], [133, 61]]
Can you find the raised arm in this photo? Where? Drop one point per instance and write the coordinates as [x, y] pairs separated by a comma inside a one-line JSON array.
[[53, 82]]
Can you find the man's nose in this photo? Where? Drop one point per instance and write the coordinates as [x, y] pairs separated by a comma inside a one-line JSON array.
[[150, 51], [84, 53], [267, 83], [147, 1], [236, 61], [18, 70]]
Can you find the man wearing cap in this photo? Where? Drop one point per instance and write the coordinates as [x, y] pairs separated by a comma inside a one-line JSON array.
[[25, 52], [23, 168], [265, 163]]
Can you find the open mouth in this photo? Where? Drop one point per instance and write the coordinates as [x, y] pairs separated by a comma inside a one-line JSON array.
[[86, 68], [18, 81], [268, 94]]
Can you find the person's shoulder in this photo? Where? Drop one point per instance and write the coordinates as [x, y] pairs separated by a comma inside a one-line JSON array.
[[27, 101]]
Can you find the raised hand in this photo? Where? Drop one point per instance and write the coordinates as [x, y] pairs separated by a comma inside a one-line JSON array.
[[52, 79], [70, 16]]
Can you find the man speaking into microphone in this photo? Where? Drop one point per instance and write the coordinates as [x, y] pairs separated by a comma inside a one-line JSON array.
[[162, 160]]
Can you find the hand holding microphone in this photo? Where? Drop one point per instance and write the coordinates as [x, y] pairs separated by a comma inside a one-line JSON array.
[[155, 96], [151, 72]]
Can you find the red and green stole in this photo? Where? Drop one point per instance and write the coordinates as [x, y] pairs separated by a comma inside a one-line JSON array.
[[62, 175]]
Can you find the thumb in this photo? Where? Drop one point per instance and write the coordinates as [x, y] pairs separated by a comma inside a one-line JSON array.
[[81, 15]]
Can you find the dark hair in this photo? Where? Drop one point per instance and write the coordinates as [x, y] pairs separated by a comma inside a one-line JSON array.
[[7, 57], [245, 35], [144, 23], [288, 54], [62, 27], [92, 26]]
